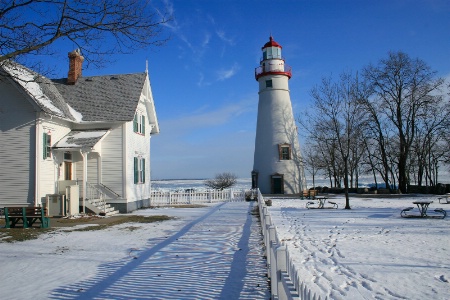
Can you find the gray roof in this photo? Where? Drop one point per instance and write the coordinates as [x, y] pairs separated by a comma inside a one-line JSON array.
[[81, 139], [107, 98], [104, 98]]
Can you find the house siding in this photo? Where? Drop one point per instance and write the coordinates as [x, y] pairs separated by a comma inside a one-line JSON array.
[[138, 145], [112, 160], [18, 133], [49, 173]]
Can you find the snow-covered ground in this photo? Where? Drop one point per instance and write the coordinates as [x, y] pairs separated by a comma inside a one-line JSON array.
[[205, 253], [368, 252]]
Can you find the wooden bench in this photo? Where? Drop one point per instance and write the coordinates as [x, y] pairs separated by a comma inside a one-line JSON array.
[[442, 211], [25, 215], [335, 205], [308, 194], [404, 211], [444, 200]]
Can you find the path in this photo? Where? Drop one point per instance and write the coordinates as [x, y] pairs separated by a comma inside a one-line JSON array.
[[217, 256]]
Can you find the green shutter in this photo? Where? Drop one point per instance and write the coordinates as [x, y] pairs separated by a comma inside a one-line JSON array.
[[135, 123], [143, 170], [136, 170], [44, 146], [143, 125]]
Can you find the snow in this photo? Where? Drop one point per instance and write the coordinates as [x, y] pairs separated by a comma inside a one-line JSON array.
[[78, 135], [27, 80], [77, 115], [368, 252], [212, 252]]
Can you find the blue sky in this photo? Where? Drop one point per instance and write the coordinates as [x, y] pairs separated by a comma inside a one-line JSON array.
[[203, 81]]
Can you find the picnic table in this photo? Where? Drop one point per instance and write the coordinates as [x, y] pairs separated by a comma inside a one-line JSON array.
[[321, 201], [444, 199], [422, 205]]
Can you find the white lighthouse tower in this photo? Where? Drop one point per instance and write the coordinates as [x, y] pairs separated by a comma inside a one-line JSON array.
[[277, 164]]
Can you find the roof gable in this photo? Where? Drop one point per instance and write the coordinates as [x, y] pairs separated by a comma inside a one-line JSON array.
[[39, 88], [104, 98]]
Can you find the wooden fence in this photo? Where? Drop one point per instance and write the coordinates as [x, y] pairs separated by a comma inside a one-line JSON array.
[[284, 277], [164, 198]]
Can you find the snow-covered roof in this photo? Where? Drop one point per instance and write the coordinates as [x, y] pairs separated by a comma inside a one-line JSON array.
[[81, 139], [107, 98], [40, 89]]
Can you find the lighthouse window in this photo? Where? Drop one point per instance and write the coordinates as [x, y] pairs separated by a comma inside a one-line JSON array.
[[269, 83], [284, 151]]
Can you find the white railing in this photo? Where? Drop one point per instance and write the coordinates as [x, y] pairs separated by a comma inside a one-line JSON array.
[[284, 277], [167, 198], [93, 194]]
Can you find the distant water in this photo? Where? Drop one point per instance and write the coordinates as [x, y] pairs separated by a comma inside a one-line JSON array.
[[246, 183], [196, 184]]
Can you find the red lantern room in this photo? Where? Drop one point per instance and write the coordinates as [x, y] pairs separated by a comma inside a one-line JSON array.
[[272, 62]]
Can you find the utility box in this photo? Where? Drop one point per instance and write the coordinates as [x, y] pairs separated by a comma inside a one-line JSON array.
[[55, 205], [73, 200]]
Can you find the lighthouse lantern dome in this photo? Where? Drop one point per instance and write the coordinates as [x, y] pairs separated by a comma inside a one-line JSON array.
[[271, 50]]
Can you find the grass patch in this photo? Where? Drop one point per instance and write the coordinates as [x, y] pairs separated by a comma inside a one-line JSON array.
[[10, 235], [126, 219]]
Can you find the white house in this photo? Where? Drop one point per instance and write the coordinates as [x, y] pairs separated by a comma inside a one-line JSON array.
[[93, 132]]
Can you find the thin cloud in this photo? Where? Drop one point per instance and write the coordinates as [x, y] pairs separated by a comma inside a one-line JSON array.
[[204, 118], [201, 81], [224, 38], [206, 39], [226, 74]]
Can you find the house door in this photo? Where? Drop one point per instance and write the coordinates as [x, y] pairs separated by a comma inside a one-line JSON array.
[[67, 170], [67, 166], [277, 184]]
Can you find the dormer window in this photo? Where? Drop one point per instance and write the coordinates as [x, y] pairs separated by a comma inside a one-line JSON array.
[[284, 151], [139, 123], [46, 146]]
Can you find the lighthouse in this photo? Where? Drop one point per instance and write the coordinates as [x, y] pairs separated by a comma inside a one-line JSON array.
[[277, 164]]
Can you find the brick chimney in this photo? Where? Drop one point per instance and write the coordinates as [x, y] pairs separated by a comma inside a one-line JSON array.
[[75, 66]]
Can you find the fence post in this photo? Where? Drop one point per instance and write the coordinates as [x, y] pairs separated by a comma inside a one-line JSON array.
[[273, 269], [281, 267]]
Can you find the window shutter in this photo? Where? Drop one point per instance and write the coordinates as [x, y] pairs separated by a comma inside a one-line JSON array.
[[143, 125], [135, 123], [280, 152], [136, 170], [44, 146], [143, 170]]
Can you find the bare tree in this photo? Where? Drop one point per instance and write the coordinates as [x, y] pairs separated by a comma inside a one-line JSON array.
[[98, 28], [312, 161], [338, 117], [222, 181], [402, 89]]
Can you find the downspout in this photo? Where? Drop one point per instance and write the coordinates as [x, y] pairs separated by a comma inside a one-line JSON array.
[[124, 163], [84, 155], [37, 158]]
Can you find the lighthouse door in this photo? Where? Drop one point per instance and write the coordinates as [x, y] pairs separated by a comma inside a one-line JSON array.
[[277, 184]]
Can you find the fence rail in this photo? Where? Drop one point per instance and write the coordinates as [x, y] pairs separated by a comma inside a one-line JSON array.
[[284, 277], [163, 198]]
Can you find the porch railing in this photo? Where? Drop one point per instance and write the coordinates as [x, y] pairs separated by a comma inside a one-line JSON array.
[[167, 198], [94, 193]]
